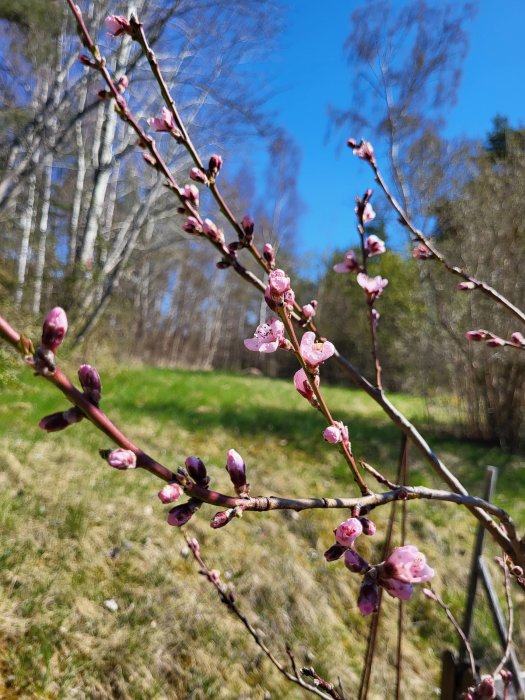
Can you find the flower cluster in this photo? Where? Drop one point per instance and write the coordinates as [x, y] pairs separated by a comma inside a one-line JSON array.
[[516, 340], [403, 568]]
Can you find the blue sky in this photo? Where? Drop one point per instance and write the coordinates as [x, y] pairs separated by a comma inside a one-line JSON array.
[[309, 71]]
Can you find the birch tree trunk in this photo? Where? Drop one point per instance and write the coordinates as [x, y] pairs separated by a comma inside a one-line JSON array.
[[27, 224]]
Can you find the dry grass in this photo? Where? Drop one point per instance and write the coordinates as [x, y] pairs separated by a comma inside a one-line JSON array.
[[76, 533]]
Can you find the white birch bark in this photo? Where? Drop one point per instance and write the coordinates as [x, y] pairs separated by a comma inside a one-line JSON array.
[[27, 224]]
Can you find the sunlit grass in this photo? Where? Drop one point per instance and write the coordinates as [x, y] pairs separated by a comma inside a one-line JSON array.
[[76, 533]]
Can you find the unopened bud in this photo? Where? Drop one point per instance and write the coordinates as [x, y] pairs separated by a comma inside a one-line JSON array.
[[197, 175], [122, 459], [269, 253], [197, 470], [236, 469], [170, 493], [248, 226], [214, 165], [90, 381], [368, 600], [54, 329], [180, 515], [59, 421], [220, 519], [369, 527], [355, 562], [334, 553]]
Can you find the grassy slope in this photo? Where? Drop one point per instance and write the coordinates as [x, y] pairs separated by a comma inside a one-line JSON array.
[[62, 511]]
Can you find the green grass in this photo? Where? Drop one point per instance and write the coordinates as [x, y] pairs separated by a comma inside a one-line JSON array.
[[63, 511]]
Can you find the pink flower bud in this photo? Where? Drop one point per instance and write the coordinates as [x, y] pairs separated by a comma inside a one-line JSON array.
[[90, 382], [192, 225], [355, 562], [166, 122], [314, 353], [214, 165], [122, 459], [334, 553], [59, 421], [211, 230], [365, 212], [194, 545], [289, 298], [197, 175], [368, 599], [196, 470], [214, 576], [248, 226], [348, 531], [495, 342], [220, 519], [269, 253], [236, 469], [310, 309], [374, 245], [421, 252], [466, 286], [170, 493], [369, 527], [54, 328], [191, 193], [117, 26], [349, 263], [332, 434], [180, 515], [86, 61], [363, 150], [122, 84], [375, 319], [518, 339], [477, 336], [303, 386]]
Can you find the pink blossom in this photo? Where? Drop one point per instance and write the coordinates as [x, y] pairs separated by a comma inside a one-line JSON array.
[[314, 353], [349, 263], [214, 165], [267, 337], [122, 459], [59, 421], [496, 342], [518, 339], [165, 122], [407, 564], [236, 469], [54, 328], [302, 384], [477, 335], [374, 245], [366, 213], [278, 282], [373, 286], [332, 434], [170, 493], [422, 252], [348, 531], [363, 150], [117, 25], [368, 599]]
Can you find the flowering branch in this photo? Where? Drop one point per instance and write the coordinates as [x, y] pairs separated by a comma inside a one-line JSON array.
[[427, 248]]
